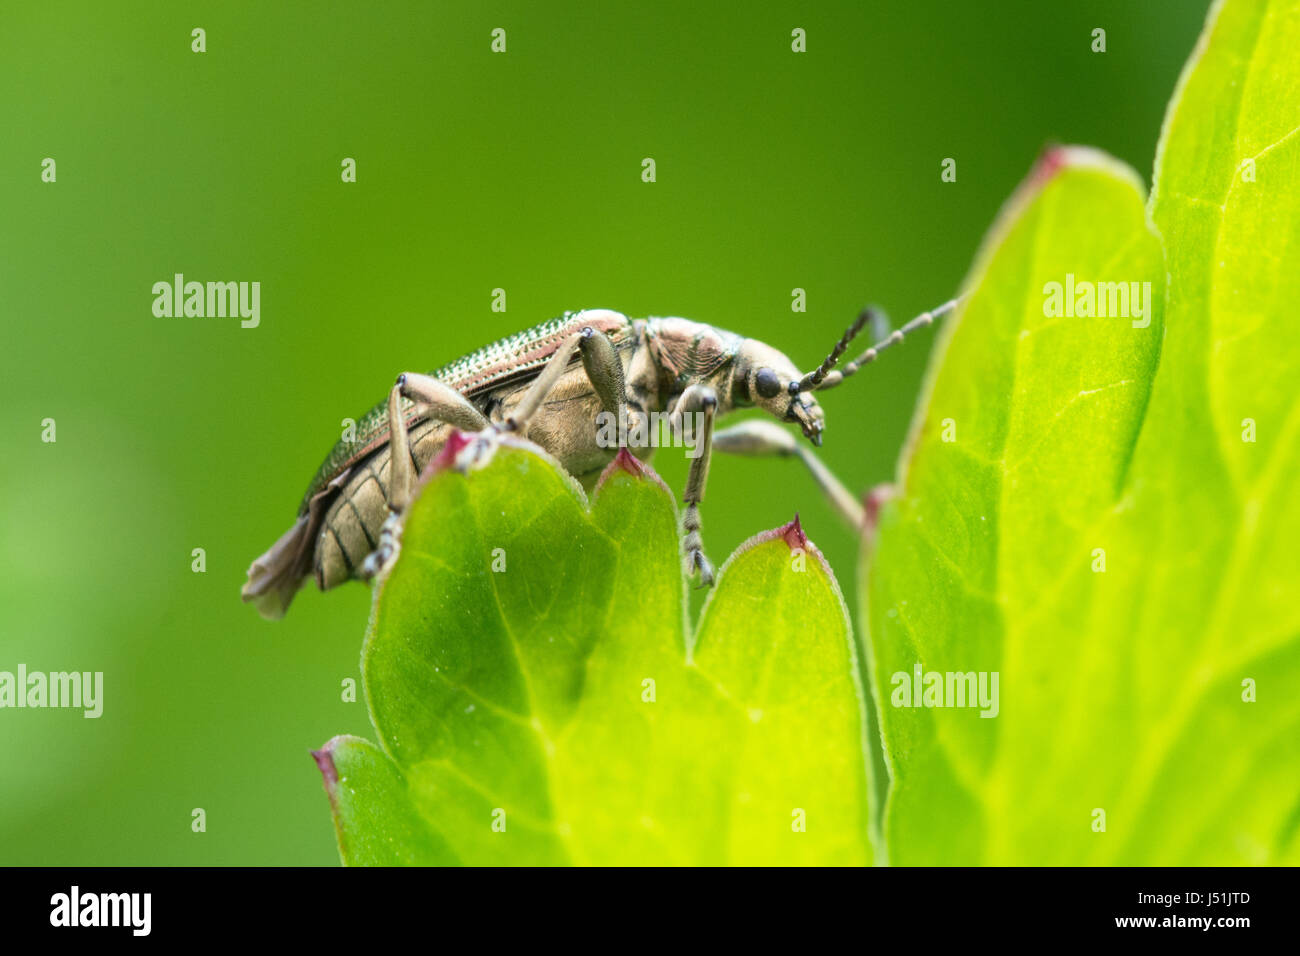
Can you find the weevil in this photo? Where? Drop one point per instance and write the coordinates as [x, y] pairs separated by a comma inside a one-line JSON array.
[[549, 384]]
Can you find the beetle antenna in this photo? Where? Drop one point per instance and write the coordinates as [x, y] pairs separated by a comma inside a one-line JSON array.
[[823, 378], [814, 379]]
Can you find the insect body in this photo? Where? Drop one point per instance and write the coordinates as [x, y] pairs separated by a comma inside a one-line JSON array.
[[550, 383]]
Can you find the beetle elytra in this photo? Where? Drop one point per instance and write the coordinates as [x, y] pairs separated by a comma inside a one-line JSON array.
[[550, 383]]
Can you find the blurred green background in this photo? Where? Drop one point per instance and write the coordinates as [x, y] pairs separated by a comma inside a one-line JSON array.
[[475, 171]]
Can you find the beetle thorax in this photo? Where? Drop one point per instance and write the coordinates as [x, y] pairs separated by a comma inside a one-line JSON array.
[[688, 353]]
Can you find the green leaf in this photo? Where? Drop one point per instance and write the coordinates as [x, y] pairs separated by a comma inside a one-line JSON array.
[[367, 791], [1128, 690], [527, 665]]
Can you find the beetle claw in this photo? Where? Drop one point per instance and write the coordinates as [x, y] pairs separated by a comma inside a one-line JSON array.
[[697, 563]]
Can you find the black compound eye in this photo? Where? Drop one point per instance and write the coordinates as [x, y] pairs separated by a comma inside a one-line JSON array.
[[767, 383]]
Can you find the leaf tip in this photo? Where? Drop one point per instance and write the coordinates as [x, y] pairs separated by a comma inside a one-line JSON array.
[[627, 463], [793, 535], [1051, 161], [329, 772], [1056, 158], [872, 502], [446, 457]]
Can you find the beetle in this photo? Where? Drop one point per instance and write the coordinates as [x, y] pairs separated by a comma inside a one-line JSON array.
[[549, 384]]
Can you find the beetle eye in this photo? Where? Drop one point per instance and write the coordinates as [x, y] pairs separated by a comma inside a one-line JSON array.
[[767, 383]]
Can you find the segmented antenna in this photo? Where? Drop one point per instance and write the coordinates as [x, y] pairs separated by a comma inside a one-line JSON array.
[[814, 378], [823, 378]]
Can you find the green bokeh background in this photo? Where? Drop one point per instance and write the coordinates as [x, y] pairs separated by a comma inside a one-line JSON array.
[[475, 171]]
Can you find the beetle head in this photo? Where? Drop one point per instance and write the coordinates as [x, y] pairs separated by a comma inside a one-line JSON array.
[[767, 379]]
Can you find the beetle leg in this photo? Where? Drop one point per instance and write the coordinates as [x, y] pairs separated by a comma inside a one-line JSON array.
[[401, 475], [696, 398], [441, 402], [693, 399], [401, 484], [757, 438], [517, 421], [438, 401], [605, 372]]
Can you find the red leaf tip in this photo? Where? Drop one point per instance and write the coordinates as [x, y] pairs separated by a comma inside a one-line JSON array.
[[1052, 160], [625, 462], [325, 763], [793, 535], [628, 462], [456, 441], [873, 501]]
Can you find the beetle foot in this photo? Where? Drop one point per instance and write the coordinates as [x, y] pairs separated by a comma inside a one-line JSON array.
[[386, 552], [696, 562]]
